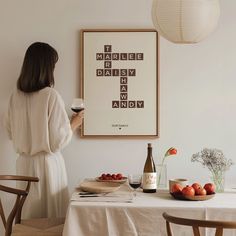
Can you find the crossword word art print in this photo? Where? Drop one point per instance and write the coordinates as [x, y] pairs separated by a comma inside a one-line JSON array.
[[120, 82]]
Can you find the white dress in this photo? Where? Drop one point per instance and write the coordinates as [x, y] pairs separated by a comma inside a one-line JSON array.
[[39, 127]]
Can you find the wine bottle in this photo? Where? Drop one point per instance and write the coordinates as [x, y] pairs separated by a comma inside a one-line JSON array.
[[149, 173]]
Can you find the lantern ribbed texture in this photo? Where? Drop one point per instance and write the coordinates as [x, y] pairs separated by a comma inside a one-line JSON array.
[[185, 21]]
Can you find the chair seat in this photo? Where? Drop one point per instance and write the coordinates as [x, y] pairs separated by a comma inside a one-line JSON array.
[[39, 227]]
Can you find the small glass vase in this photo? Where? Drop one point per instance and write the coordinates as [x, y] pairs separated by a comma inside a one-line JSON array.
[[161, 176], [218, 179]]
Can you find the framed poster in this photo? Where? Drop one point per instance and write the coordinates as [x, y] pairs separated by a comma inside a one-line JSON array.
[[119, 82]]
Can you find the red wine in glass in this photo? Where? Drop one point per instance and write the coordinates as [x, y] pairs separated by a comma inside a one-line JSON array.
[[77, 105], [77, 109], [135, 181], [135, 185]]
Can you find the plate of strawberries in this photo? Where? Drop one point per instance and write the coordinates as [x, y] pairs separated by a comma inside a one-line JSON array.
[[109, 177], [194, 192]]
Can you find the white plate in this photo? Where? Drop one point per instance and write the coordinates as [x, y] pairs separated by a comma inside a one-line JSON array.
[[121, 181], [99, 187]]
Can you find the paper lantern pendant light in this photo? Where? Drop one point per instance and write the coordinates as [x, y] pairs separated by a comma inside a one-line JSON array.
[[185, 21]]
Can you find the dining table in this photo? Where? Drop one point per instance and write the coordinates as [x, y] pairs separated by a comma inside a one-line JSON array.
[[122, 214]]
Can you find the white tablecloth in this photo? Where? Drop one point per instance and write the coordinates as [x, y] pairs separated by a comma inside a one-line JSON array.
[[143, 216]]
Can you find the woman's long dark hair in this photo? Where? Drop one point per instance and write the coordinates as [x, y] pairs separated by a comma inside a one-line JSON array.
[[38, 67]]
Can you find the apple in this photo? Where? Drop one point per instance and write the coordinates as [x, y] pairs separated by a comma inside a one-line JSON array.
[[188, 191], [176, 188], [200, 191], [210, 188], [196, 186]]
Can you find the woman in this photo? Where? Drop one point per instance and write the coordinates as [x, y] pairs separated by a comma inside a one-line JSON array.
[[39, 127]]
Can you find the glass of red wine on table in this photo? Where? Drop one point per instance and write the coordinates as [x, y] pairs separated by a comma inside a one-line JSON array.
[[135, 181], [77, 105]]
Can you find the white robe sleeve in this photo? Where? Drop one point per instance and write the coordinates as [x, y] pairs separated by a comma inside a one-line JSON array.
[[59, 128]]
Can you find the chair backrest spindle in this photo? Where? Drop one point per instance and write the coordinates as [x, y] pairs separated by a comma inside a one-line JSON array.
[[2, 214], [12, 215], [168, 228], [219, 231], [196, 231]]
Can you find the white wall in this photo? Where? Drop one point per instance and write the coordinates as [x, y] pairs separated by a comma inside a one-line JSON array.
[[197, 95]]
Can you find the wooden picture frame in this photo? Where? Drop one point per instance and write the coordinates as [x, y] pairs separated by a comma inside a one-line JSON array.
[[120, 82]]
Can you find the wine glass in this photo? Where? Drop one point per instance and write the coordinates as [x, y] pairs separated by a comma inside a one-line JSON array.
[[77, 105], [135, 181]]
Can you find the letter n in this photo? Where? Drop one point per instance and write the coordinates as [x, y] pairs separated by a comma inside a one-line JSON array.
[[123, 104]]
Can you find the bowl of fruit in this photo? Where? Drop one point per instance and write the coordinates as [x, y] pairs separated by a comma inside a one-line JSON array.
[[116, 178], [194, 192]]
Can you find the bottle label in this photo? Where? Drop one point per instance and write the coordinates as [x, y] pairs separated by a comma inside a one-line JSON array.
[[149, 180]]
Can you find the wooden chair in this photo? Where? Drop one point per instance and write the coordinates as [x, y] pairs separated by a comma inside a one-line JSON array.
[[218, 225], [31, 227]]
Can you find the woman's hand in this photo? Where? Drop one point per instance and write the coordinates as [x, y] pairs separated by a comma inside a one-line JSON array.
[[76, 120]]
